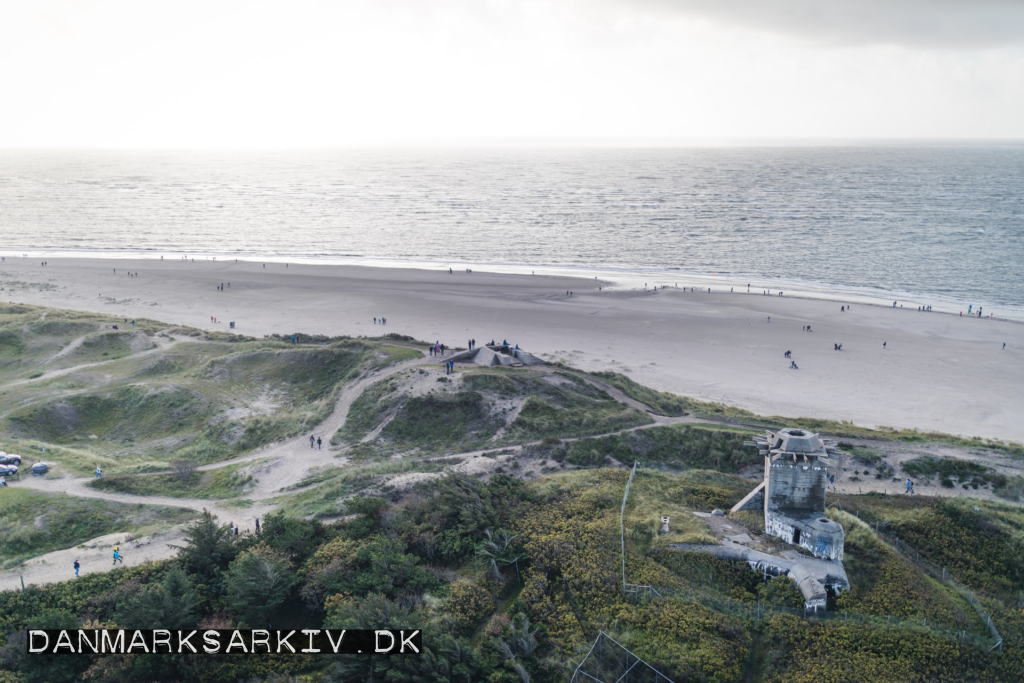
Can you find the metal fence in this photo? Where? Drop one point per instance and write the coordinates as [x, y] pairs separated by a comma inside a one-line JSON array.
[[608, 661], [940, 574], [626, 587]]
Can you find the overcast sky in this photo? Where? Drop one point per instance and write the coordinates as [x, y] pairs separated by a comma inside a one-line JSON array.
[[300, 73]]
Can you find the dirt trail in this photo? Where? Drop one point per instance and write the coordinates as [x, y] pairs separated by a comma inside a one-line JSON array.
[[160, 344], [95, 555], [289, 462]]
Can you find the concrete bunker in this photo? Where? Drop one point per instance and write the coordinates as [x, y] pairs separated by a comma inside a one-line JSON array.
[[497, 354], [792, 497], [793, 492]]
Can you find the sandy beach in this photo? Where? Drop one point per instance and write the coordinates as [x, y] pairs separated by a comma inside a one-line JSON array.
[[938, 371]]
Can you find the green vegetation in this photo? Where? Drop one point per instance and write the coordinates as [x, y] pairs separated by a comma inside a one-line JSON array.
[[980, 542], [681, 446], [885, 584], [439, 422], [323, 494], [224, 482], [33, 523], [953, 471], [573, 408], [483, 408], [661, 402], [428, 560], [862, 453], [369, 410], [138, 411]]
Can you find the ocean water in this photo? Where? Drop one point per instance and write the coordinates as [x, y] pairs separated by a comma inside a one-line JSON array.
[[942, 222]]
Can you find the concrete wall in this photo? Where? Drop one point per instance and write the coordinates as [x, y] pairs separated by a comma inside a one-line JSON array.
[[796, 488]]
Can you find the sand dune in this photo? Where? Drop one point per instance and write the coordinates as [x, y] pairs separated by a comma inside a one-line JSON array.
[[938, 372]]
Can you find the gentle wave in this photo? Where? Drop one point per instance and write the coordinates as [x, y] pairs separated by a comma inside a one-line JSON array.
[[915, 222]]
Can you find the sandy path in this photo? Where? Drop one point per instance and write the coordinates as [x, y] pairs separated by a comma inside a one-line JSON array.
[[159, 344], [95, 555]]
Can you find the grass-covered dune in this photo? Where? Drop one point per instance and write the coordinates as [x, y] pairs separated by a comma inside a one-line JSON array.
[[480, 408], [139, 398]]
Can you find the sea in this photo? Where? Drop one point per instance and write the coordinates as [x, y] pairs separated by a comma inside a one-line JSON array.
[[938, 224]]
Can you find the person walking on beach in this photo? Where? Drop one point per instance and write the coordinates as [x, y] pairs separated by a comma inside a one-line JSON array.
[[311, 441], [832, 481], [257, 525], [117, 555], [77, 566], [1004, 346], [319, 443], [910, 486]]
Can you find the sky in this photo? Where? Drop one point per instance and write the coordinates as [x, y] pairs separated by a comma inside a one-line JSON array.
[[306, 73]]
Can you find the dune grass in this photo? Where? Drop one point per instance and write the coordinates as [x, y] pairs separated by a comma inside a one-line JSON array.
[[323, 493], [680, 446], [197, 401], [221, 483]]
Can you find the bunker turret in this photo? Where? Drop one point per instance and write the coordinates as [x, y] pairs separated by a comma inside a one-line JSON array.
[[793, 492]]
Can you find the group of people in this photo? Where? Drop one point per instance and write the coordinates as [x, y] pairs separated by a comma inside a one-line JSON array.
[[315, 442], [838, 347], [437, 349], [380, 321], [221, 286], [472, 344]]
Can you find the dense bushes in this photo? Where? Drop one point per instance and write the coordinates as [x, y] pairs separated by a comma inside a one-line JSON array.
[[424, 562]]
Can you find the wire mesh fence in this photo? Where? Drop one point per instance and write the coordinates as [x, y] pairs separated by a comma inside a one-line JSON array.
[[608, 661], [940, 574]]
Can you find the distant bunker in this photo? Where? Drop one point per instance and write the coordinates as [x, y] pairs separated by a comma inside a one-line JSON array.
[[795, 477], [792, 496], [496, 354]]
